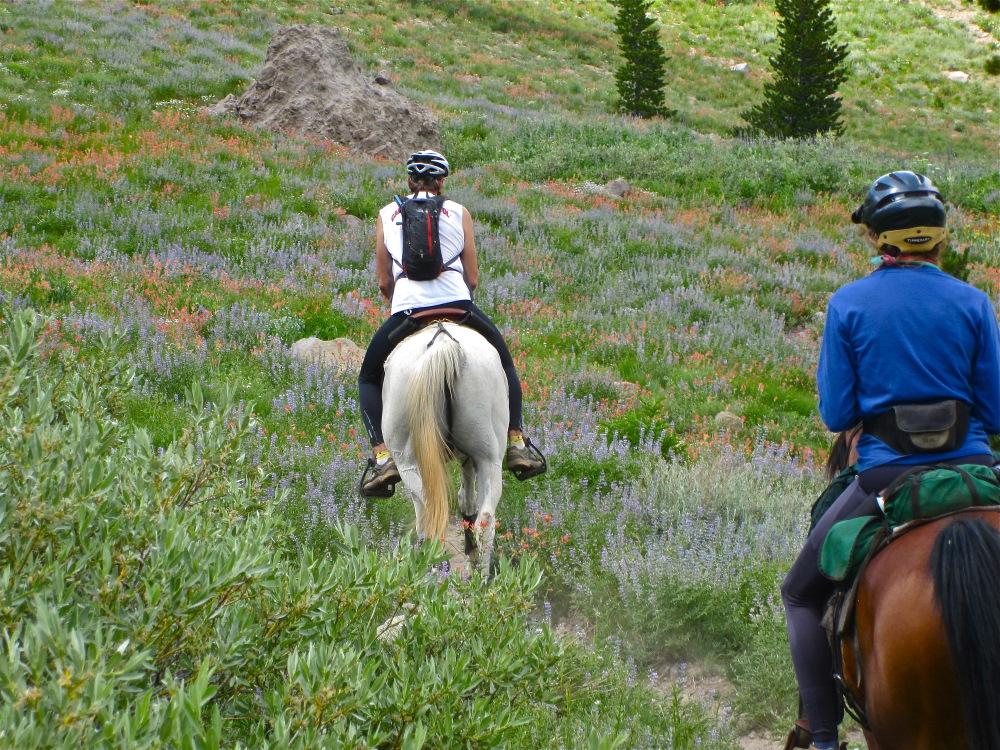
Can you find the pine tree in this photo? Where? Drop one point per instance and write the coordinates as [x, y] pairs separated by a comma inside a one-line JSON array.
[[801, 102], [642, 78]]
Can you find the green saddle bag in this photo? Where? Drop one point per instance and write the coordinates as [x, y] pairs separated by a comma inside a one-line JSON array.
[[930, 491], [846, 546], [921, 493]]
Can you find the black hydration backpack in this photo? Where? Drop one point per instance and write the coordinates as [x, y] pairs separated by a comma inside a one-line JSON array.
[[422, 259]]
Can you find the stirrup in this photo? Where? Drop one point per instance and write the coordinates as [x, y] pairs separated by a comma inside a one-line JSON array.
[[798, 737], [386, 490], [528, 473]]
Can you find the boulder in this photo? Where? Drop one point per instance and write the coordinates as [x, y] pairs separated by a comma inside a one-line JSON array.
[[310, 84], [726, 420], [740, 68], [341, 354], [618, 188], [956, 75]]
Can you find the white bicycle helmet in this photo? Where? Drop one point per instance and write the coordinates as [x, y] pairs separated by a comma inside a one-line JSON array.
[[427, 163]]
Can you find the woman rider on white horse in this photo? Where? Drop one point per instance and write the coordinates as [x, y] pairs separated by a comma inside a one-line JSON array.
[[907, 335], [426, 171]]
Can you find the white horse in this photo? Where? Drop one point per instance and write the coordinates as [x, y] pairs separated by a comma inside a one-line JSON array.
[[445, 396]]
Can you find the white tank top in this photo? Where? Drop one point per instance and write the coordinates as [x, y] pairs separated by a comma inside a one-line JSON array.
[[450, 286]]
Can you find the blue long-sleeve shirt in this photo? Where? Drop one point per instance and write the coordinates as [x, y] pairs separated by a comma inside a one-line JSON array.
[[909, 335]]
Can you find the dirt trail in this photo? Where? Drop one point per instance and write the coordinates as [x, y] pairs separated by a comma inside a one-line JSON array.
[[454, 543], [715, 691], [698, 683], [753, 741], [704, 685]]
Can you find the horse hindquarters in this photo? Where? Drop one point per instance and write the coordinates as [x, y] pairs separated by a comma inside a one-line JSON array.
[[446, 380], [911, 682], [966, 566], [908, 683]]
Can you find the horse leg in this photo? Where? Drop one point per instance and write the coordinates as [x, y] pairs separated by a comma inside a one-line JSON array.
[[468, 503], [411, 480], [489, 485]]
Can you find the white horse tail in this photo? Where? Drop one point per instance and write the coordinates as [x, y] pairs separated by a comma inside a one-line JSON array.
[[436, 372]]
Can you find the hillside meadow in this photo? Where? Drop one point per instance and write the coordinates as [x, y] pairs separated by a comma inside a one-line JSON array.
[[186, 562]]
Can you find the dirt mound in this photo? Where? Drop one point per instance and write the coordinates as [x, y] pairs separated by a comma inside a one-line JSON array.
[[311, 84]]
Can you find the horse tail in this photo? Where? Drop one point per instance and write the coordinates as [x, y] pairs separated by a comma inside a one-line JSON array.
[[966, 561], [427, 396]]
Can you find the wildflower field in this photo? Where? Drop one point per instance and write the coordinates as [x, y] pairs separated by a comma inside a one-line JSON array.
[[185, 560]]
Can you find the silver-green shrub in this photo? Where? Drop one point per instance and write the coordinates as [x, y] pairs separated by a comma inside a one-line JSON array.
[[152, 598]]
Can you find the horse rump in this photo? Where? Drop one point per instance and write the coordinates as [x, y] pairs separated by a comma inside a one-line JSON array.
[[965, 562]]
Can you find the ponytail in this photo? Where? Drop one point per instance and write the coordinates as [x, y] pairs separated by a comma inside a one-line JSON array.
[[424, 183]]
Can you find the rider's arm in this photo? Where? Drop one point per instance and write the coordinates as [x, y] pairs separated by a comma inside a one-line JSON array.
[[986, 373], [836, 378], [469, 260], [383, 262]]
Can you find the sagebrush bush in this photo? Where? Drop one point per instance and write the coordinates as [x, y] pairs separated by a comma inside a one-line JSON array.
[[155, 598]]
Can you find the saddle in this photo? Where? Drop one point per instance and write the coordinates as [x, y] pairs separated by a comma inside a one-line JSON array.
[[419, 319]]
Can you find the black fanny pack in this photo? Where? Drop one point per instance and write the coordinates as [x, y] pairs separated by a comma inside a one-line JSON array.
[[940, 427]]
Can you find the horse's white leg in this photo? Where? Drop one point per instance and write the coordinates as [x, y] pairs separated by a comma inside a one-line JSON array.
[[415, 488], [468, 503], [489, 483]]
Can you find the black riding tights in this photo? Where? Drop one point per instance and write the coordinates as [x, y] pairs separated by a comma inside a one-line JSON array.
[[373, 368], [806, 590]]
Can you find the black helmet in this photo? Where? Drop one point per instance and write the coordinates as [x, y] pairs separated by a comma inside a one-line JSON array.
[[901, 200], [429, 163]]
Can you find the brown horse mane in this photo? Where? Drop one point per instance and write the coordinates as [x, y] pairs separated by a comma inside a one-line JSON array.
[[840, 452]]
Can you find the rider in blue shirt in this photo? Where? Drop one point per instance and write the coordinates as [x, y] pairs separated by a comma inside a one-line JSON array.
[[907, 334]]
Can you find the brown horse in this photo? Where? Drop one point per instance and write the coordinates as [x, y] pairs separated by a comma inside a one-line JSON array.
[[928, 638]]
